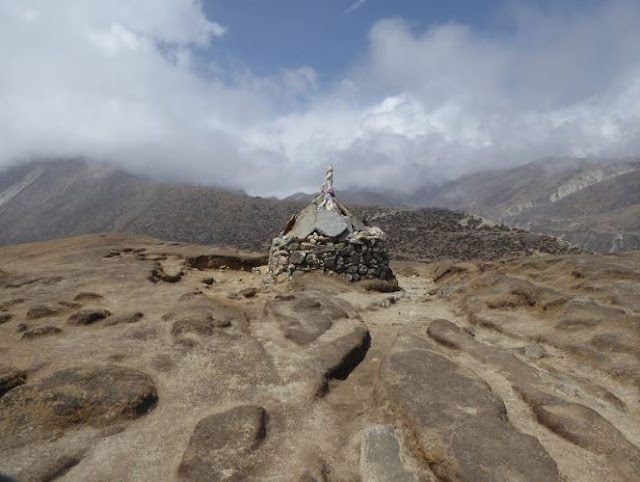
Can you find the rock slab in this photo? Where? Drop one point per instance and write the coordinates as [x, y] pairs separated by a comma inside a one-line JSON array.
[[224, 446], [461, 425], [380, 456], [97, 396]]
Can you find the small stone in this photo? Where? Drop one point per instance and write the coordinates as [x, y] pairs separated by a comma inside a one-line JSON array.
[[248, 292], [284, 297], [297, 257], [86, 317], [130, 317], [208, 281], [40, 331], [42, 311], [11, 378], [4, 317], [535, 352], [330, 261]]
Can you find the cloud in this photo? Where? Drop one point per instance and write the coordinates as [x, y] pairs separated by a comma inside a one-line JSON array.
[[127, 82], [354, 6]]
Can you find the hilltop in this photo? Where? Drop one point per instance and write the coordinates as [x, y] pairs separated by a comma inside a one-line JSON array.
[[128, 357]]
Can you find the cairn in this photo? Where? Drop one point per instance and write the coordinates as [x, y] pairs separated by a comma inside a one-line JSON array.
[[325, 236]]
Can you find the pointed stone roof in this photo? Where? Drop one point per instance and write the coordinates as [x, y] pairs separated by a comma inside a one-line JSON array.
[[328, 217]]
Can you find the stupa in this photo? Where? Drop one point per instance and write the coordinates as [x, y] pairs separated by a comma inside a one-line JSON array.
[[326, 236]]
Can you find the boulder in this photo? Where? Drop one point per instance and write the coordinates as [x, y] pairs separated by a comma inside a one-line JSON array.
[[305, 223], [225, 446], [95, 396], [461, 425], [576, 423], [306, 318], [339, 357], [204, 317]]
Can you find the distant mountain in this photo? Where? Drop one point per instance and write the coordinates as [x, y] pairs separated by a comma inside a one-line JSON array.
[[589, 202], [46, 200], [365, 197], [300, 196]]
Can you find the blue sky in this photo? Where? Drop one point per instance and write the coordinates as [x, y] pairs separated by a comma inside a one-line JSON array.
[[329, 35], [263, 94]]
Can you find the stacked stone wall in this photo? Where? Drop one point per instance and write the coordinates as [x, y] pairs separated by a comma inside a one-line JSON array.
[[349, 258]]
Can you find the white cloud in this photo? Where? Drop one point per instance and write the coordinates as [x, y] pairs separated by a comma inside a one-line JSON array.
[[118, 81], [354, 6]]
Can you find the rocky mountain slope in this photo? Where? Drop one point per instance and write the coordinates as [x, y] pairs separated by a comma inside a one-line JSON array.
[[48, 200], [129, 358], [592, 203]]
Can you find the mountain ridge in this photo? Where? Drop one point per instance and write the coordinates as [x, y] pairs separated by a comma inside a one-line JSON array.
[[543, 196], [75, 197]]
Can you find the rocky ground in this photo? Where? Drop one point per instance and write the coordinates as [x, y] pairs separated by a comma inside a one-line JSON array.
[[128, 358]]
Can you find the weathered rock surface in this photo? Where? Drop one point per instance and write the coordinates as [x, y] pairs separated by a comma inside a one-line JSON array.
[[10, 378], [306, 222], [339, 357], [306, 317], [579, 304], [461, 426], [97, 397], [330, 224], [42, 311], [32, 333], [203, 316], [470, 377], [131, 317], [380, 456], [87, 317], [576, 423], [87, 296], [225, 446]]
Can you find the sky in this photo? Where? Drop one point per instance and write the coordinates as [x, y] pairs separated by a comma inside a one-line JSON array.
[[263, 94]]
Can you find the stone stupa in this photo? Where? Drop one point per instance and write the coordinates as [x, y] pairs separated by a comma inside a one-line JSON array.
[[325, 236]]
